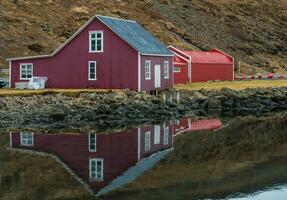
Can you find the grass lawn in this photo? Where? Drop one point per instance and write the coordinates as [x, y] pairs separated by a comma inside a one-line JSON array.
[[236, 85]]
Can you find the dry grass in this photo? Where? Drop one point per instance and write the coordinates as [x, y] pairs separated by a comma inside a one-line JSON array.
[[235, 85], [68, 92]]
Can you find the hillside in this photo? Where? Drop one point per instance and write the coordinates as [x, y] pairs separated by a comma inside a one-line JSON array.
[[253, 31]]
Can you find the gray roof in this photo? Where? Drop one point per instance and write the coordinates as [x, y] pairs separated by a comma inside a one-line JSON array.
[[136, 36]]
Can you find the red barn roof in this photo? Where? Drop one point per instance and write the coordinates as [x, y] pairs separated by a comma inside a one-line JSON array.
[[212, 56]]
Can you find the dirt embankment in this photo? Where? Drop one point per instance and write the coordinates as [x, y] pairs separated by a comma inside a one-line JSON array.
[[99, 111]]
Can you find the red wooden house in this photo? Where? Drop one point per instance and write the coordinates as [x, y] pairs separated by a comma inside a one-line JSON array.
[[200, 66], [103, 162], [105, 53]]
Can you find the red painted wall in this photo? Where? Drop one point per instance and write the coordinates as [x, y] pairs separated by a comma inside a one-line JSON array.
[[211, 71], [156, 60], [118, 150], [182, 76], [117, 66]]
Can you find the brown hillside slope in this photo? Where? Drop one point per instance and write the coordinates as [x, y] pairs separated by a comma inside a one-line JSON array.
[[29, 27]]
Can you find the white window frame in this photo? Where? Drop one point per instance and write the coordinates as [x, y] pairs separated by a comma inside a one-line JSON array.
[[91, 172], [24, 139], [89, 73], [157, 134], [147, 141], [148, 74], [166, 69], [165, 135], [90, 142], [96, 41], [176, 71], [26, 64]]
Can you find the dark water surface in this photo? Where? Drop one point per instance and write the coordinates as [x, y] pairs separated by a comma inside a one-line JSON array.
[[215, 158]]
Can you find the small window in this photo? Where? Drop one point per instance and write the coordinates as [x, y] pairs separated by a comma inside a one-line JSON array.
[[147, 141], [96, 169], [92, 142], [148, 70], [26, 71], [176, 69], [27, 139], [96, 41], [92, 70], [166, 135], [156, 134], [166, 69]]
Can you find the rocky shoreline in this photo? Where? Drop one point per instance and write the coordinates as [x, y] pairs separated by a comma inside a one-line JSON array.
[[101, 111]]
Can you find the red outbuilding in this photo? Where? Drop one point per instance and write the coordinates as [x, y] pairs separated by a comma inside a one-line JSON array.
[[106, 53], [200, 66]]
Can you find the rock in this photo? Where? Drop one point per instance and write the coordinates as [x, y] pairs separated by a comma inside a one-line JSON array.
[[56, 114], [214, 104], [199, 97]]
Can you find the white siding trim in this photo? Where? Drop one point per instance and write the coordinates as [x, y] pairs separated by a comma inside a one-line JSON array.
[[139, 144], [168, 68], [32, 69], [92, 150], [102, 169], [233, 70], [21, 137], [11, 142], [170, 47], [159, 55], [10, 75], [102, 41], [92, 79], [147, 61], [139, 71], [189, 71]]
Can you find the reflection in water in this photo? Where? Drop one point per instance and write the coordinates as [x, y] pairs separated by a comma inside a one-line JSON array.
[[98, 159], [104, 162]]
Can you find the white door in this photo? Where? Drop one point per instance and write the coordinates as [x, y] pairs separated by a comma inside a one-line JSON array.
[[157, 76]]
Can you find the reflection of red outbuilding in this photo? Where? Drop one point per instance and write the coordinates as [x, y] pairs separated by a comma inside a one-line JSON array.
[[99, 159], [201, 66], [186, 125]]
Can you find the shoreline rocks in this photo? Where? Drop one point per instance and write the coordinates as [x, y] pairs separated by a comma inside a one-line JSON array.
[[101, 111]]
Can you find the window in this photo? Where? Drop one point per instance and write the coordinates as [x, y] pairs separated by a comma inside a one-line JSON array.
[[147, 141], [165, 135], [147, 70], [166, 69], [27, 139], [96, 41], [26, 71], [96, 169], [176, 69], [92, 70], [92, 142], [157, 134]]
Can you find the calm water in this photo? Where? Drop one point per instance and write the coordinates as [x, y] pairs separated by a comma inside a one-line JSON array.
[[98, 164]]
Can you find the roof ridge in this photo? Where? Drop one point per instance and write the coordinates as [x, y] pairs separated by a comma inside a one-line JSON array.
[[115, 18]]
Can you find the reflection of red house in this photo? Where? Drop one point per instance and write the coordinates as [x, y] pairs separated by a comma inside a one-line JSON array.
[[201, 66], [186, 125], [98, 159]]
